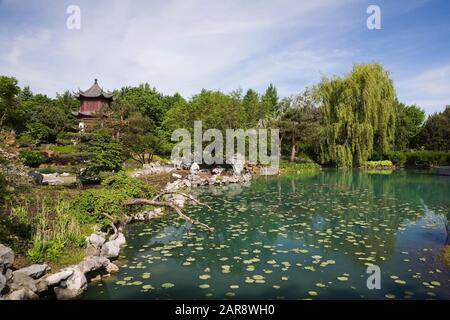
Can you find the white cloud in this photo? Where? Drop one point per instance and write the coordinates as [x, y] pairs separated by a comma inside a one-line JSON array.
[[175, 45], [187, 45], [429, 89]]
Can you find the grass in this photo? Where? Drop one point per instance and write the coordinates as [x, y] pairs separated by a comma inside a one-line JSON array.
[[67, 149], [295, 168]]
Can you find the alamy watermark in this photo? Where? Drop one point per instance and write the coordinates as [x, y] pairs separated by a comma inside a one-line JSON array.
[[73, 21], [374, 280], [374, 20], [190, 150]]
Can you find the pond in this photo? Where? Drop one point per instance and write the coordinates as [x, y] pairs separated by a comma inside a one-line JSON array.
[[295, 237]]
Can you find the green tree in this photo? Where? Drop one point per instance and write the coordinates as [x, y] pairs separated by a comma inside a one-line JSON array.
[[409, 122], [435, 134], [11, 113], [147, 100], [253, 108], [299, 121], [140, 141], [359, 115], [270, 99]]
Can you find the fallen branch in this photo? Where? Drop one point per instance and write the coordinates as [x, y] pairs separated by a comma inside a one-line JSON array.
[[182, 194], [167, 204]]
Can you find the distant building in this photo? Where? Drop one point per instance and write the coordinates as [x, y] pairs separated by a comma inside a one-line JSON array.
[[91, 102]]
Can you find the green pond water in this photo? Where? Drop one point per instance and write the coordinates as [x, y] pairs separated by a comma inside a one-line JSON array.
[[295, 237]]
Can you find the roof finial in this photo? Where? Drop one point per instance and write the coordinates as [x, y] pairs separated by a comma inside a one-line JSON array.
[[95, 80]]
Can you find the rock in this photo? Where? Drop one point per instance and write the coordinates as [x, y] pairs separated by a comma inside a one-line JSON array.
[[96, 240], [2, 283], [52, 179], [41, 285], [22, 280], [35, 270], [8, 274], [269, 171], [112, 268], [92, 250], [96, 278], [177, 176], [77, 281], [217, 170], [22, 294], [238, 163], [178, 200], [6, 258], [157, 210], [93, 263], [73, 286], [36, 177], [194, 168], [121, 239], [110, 249], [56, 278]]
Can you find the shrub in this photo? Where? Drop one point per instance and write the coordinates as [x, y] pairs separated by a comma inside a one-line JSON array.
[[92, 204], [32, 158], [3, 187], [419, 158], [25, 140], [398, 158], [288, 167], [426, 158], [378, 164], [55, 229], [67, 149]]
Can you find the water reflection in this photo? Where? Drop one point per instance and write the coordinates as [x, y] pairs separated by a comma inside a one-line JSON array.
[[281, 237]]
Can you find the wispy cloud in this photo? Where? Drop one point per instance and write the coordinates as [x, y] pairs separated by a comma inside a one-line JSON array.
[[429, 89], [193, 44]]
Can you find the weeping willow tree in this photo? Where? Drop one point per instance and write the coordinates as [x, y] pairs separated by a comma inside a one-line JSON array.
[[359, 115]]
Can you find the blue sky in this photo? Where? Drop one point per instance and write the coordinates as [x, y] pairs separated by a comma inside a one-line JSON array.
[[188, 45]]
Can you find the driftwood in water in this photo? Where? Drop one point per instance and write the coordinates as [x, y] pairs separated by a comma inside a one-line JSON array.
[[172, 205]]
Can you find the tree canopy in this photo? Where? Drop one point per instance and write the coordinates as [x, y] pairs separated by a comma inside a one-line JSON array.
[[359, 115]]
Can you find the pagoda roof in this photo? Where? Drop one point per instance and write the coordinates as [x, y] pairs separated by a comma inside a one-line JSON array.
[[95, 91]]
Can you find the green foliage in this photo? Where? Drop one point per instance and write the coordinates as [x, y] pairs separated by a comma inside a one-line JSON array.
[[419, 158], [270, 99], [398, 158], [298, 121], [426, 158], [32, 158], [108, 157], [3, 187], [409, 122], [141, 141], [378, 164], [39, 132], [290, 168], [214, 108], [359, 115], [145, 99], [11, 113], [68, 149], [55, 229], [92, 204], [435, 134]]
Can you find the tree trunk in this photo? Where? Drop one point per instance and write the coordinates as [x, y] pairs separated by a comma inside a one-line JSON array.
[[293, 150]]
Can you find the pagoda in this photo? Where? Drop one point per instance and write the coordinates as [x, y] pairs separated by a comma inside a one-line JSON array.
[[91, 102]]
